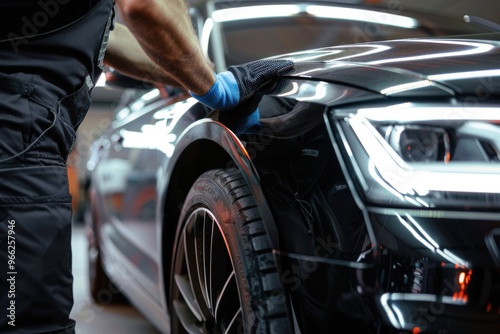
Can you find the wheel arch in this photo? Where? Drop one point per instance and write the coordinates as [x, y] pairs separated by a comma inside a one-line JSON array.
[[205, 145]]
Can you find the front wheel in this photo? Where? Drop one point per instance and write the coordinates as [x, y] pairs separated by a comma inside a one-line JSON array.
[[225, 278]]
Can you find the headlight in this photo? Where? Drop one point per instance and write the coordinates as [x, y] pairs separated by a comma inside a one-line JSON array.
[[423, 156], [416, 143]]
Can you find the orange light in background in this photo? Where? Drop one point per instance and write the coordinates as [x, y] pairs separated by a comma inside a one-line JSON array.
[[463, 280]]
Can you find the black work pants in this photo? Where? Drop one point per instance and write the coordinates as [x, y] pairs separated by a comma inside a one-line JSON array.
[[36, 293]]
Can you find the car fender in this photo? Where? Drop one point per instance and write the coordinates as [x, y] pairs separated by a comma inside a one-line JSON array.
[[221, 136], [211, 138]]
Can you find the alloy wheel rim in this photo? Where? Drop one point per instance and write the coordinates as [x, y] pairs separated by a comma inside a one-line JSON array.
[[206, 298]]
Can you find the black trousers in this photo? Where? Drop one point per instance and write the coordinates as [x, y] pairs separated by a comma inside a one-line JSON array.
[[36, 280]]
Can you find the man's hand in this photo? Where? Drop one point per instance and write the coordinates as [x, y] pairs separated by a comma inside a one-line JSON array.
[[236, 85]]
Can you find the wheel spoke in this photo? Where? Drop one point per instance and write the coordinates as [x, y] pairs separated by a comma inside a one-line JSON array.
[[228, 303], [191, 250], [186, 318], [235, 323], [184, 287], [208, 228]]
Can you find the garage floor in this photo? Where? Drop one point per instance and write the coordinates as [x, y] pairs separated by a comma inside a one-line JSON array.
[[90, 317]]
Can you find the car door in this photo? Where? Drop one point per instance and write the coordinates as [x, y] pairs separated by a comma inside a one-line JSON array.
[[125, 179]]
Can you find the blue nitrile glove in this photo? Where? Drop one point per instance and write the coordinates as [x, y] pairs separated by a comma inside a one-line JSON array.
[[239, 83]]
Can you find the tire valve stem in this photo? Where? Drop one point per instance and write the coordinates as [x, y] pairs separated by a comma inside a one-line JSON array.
[[306, 210]]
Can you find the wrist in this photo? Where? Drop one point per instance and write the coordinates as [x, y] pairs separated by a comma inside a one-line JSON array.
[[223, 95]]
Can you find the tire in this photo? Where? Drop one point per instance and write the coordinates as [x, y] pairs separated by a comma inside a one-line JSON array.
[[240, 292]]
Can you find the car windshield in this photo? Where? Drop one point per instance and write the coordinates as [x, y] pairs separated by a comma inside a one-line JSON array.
[[269, 30]]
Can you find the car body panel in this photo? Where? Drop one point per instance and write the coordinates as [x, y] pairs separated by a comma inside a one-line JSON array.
[[426, 69]]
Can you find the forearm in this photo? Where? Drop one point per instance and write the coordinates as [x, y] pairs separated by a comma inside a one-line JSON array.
[[124, 54], [165, 33]]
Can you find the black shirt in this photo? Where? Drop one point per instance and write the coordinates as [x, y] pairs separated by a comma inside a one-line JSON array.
[[26, 18]]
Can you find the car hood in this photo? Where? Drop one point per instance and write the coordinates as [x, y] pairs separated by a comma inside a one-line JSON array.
[[410, 67]]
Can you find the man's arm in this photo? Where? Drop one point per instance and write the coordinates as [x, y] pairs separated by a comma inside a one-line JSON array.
[[126, 55], [164, 31]]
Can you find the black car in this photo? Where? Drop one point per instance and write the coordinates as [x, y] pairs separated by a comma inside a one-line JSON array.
[[365, 195]]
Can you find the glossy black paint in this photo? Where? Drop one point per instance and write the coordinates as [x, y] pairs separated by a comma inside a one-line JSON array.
[[378, 67]]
